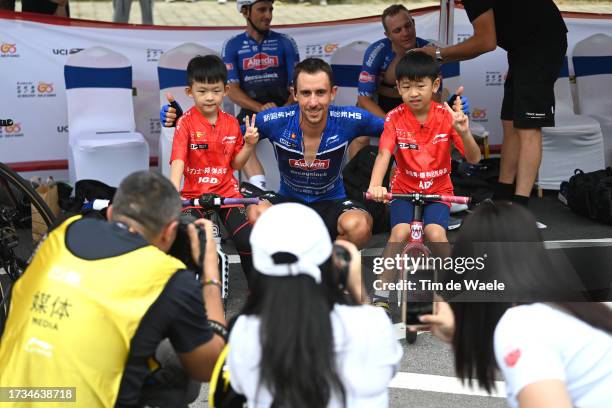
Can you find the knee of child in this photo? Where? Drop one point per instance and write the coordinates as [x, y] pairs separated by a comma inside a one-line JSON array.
[[399, 233], [435, 233]]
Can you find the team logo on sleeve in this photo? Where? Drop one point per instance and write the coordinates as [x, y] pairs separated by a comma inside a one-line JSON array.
[[366, 77], [260, 61]]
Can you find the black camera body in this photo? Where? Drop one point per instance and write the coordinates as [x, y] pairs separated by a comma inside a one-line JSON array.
[[181, 248]]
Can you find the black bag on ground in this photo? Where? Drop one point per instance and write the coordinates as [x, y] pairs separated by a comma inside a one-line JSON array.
[[356, 175], [475, 180], [590, 194], [85, 190]]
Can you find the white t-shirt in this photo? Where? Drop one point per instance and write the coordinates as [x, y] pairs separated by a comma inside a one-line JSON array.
[[538, 342], [367, 355]]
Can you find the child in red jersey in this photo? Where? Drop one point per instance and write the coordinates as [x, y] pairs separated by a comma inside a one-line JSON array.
[[419, 133], [208, 146]]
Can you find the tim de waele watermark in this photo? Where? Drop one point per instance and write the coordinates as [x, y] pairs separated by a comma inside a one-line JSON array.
[[423, 265]]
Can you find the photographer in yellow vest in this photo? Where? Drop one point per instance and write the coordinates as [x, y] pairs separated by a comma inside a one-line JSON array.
[[99, 297]]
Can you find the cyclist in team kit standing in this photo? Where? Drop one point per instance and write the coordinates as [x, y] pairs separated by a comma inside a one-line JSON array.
[[260, 65]]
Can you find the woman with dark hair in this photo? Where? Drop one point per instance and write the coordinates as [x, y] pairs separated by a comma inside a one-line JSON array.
[[556, 354], [295, 345]]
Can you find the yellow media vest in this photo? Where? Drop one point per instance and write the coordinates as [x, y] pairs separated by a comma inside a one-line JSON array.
[[71, 320]]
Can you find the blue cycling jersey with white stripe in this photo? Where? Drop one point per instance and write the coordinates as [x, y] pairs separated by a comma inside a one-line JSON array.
[[264, 70], [376, 60], [321, 179]]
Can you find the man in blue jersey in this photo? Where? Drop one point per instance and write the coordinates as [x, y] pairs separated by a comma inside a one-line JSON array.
[[259, 65], [310, 141], [377, 92]]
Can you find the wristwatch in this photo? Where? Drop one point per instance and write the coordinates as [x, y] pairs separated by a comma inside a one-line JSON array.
[[438, 54]]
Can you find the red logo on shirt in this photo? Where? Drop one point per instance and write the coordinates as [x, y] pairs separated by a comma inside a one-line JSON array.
[[260, 62], [316, 164], [366, 77], [512, 357]]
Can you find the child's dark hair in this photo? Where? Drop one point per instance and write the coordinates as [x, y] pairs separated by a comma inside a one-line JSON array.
[[207, 69], [416, 65]]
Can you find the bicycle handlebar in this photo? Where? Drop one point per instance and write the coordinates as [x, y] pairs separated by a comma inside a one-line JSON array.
[[218, 201], [425, 197]]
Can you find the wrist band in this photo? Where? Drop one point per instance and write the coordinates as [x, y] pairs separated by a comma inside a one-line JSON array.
[[218, 328], [213, 282]]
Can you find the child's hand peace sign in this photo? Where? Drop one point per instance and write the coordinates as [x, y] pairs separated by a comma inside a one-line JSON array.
[[251, 134], [460, 119]]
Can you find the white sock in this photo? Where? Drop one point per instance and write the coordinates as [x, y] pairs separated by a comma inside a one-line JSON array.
[[258, 180]]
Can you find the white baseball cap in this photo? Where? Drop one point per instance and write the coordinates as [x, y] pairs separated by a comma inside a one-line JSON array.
[[294, 229]]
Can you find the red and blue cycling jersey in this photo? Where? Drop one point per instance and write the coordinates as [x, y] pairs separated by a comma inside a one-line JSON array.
[[321, 179], [263, 70], [376, 60]]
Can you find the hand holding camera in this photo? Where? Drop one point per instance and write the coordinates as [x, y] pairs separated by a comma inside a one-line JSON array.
[[204, 248], [347, 259]]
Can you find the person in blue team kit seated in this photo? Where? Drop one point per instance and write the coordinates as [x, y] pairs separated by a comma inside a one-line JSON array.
[[376, 89], [310, 141]]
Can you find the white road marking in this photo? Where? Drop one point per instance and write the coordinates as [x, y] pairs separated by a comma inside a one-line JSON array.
[[439, 383]]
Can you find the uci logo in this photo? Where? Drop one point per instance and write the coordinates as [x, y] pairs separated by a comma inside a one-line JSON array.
[[13, 129], [8, 48], [44, 87], [64, 51]]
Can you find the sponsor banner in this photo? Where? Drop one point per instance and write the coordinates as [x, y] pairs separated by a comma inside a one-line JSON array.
[[33, 54]]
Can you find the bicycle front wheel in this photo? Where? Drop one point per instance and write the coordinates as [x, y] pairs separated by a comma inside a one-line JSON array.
[[24, 219]]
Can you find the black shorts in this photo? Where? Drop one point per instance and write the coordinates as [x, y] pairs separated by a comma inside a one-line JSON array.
[[328, 210], [529, 97]]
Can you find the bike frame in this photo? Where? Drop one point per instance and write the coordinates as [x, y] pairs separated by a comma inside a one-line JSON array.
[[210, 202], [415, 246]]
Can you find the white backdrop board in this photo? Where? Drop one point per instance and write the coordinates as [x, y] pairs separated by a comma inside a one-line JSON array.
[[33, 53]]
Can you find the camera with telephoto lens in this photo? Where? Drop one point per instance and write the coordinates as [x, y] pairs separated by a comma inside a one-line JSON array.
[[181, 248], [341, 260]]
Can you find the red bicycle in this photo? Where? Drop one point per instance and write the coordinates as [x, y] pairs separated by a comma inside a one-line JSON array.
[[415, 248]]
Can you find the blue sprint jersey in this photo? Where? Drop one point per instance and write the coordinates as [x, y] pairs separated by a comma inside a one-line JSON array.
[[376, 59], [263, 70], [321, 179]]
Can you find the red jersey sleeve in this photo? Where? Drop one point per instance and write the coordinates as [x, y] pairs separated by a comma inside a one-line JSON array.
[[388, 139], [180, 141]]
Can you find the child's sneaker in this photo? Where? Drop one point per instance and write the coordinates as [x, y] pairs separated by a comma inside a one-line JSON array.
[[454, 223]]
